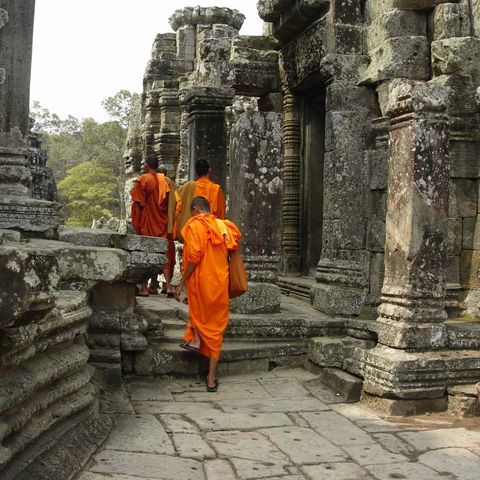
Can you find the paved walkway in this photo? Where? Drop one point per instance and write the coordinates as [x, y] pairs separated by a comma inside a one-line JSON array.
[[275, 426]]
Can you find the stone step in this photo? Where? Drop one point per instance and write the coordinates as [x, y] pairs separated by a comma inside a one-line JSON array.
[[298, 288], [347, 385], [238, 356], [464, 401], [332, 351]]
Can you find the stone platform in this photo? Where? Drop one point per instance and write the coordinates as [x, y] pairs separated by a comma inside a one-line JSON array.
[[274, 425]]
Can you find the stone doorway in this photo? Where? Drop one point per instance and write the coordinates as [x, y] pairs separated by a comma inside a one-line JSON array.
[[312, 152]]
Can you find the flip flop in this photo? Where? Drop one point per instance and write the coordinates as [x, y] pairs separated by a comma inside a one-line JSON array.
[[214, 388], [187, 346]]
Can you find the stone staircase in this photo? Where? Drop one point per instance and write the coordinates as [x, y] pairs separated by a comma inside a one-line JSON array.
[[333, 348], [253, 343]]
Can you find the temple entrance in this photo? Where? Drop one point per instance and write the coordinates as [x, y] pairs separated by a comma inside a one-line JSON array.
[[312, 152]]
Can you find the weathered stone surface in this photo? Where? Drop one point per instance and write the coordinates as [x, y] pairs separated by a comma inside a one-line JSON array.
[[257, 162], [456, 461], [140, 433], [304, 446], [341, 471], [147, 465], [260, 298], [399, 57]]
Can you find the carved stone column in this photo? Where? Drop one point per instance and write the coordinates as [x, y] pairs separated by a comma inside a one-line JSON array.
[[255, 194], [342, 270], [207, 135], [412, 312], [17, 207], [167, 141], [291, 230]]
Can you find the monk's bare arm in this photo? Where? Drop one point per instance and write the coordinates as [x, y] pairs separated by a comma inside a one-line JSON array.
[[188, 271]]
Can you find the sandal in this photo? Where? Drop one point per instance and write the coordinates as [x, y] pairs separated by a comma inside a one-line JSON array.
[[214, 388], [187, 346], [143, 294]]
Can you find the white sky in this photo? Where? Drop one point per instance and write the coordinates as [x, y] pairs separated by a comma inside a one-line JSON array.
[[87, 50]]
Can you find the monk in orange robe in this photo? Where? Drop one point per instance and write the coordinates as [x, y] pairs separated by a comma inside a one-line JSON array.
[[205, 273], [203, 187], [150, 194]]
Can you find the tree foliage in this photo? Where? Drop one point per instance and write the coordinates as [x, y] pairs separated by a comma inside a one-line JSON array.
[[75, 148], [88, 192], [120, 106]]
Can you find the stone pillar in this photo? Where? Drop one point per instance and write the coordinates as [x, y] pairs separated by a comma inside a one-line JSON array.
[[342, 270], [255, 199], [17, 207], [291, 230], [207, 135], [412, 312], [167, 142]]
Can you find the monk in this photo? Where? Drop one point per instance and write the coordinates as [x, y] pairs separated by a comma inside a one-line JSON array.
[[150, 194], [205, 273], [203, 187], [171, 208]]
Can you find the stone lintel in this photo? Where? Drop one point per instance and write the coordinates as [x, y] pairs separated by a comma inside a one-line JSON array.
[[206, 98]]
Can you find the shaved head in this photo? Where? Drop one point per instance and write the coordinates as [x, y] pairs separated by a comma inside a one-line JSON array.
[[152, 161], [200, 204]]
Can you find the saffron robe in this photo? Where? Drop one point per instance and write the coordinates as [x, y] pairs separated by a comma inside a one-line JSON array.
[[152, 190], [207, 286], [203, 187]]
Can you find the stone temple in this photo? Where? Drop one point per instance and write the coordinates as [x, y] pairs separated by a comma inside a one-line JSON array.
[[347, 141]]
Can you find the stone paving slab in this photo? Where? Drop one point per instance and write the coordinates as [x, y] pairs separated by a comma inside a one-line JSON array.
[[234, 421], [343, 432], [246, 445], [270, 426], [191, 445], [443, 438], [336, 471], [459, 462], [404, 470], [139, 433], [159, 467], [273, 405], [304, 445]]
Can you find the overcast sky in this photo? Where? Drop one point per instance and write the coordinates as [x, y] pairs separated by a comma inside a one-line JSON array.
[[87, 50]]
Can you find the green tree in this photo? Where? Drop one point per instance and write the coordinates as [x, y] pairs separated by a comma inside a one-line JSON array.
[[88, 193], [120, 106]]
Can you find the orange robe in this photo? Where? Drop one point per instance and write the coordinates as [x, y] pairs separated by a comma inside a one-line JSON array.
[[152, 190], [207, 286], [204, 187]]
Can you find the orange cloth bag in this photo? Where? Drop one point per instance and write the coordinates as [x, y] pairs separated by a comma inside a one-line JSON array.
[[237, 279]]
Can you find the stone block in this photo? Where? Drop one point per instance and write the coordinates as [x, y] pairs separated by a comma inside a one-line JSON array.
[[401, 57], [337, 299], [394, 373], [114, 297], [471, 233], [463, 198], [350, 13], [343, 39], [470, 269], [401, 408], [376, 235], [464, 159], [260, 298], [475, 8], [393, 24], [458, 55], [343, 96], [454, 236], [378, 168], [451, 20]]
